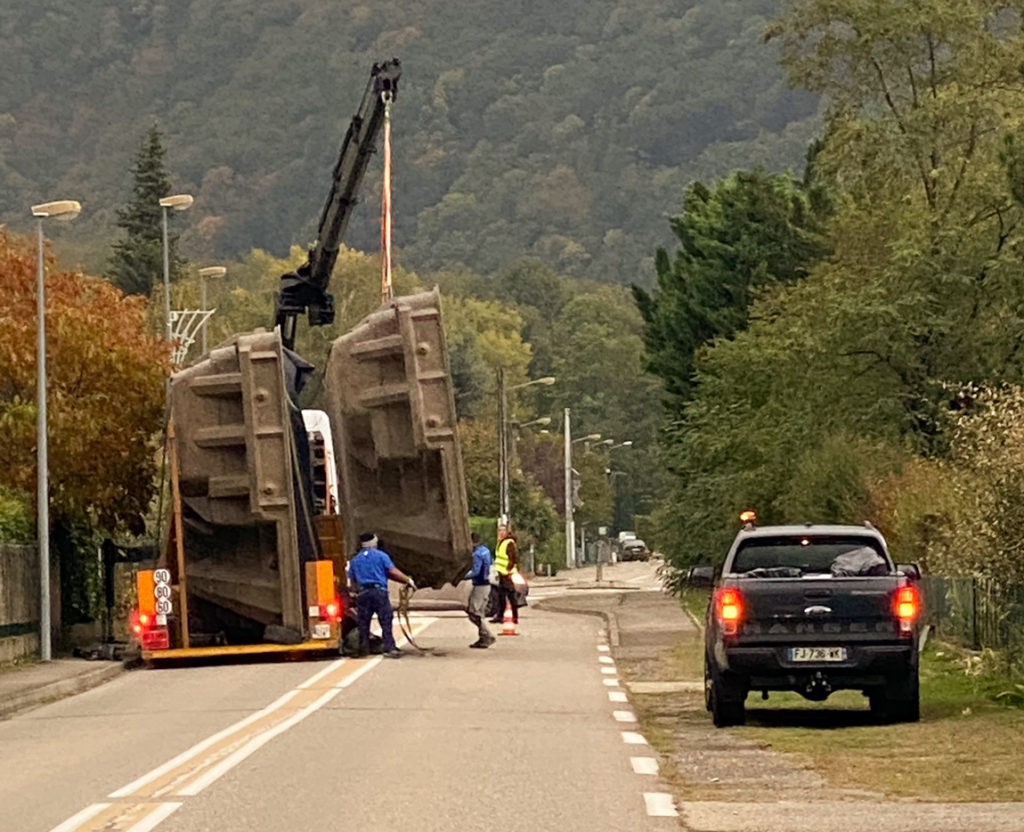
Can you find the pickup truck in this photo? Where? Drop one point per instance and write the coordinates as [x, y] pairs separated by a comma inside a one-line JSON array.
[[812, 609]]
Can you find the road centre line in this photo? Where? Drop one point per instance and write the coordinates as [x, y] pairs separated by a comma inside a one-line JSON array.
[[611, 682], [155, 818], [186, 775], [608, 671], [606, 660], [633, 738], [79, 818], [624, 716], [603, 648], [617, 696]]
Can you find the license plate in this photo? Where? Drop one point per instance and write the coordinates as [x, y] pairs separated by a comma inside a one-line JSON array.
[[817, 654], [321, 631]]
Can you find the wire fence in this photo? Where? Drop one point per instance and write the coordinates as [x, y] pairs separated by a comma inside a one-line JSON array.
[[979, 613]]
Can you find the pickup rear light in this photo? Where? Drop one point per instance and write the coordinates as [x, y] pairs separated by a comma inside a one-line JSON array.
[[729, 609], [907, 608]]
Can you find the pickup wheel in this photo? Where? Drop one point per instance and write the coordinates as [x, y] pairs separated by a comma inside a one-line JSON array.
[[723, 700], [899, 701]]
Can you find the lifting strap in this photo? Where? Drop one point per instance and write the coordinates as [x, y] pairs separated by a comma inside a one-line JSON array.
[[404, 597], [387, 292]]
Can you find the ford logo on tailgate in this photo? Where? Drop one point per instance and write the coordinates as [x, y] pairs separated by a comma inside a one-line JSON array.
[[817, 611]]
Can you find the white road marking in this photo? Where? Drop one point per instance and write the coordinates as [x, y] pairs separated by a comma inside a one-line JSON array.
[[606, 660], [633, 738], [644, 765], [316, 677], [154, 818], [348, 680], [624, 716], [257, 742], [608, 671], [77, 820], [660, 805], [612, 683], [200, 747], [617, 696], [603, 648]]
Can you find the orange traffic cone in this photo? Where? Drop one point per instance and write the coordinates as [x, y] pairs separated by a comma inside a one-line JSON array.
[[508, 626]]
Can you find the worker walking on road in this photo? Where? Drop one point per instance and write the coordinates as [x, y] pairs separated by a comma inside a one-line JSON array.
[[476, 609], [370, 569], [505, 561]]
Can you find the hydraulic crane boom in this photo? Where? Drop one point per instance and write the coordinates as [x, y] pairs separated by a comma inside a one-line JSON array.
[[305, 290]]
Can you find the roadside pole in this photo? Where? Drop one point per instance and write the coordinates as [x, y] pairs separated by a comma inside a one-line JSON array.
[[570, 527]]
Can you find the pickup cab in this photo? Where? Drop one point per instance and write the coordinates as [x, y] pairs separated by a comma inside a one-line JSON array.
[[812, 609]]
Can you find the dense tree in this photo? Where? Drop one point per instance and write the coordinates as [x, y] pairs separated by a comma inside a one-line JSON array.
[[561, 131], [105, 394], [745, 234], [137, 263]]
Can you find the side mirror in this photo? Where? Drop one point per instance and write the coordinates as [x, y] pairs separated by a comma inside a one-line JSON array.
[[703, 575], [911, 570]]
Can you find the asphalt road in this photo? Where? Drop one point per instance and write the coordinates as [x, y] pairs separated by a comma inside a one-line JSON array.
[[524, 735]]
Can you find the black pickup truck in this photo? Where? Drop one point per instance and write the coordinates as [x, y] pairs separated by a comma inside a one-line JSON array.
[[812, 609]]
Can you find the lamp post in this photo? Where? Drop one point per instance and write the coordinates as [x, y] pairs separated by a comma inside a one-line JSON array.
[[177, 202], [209, 271], [65, 209], [504, 507]]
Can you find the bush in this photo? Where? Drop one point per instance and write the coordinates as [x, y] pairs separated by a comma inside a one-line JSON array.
[[16, 523], [487, 528]]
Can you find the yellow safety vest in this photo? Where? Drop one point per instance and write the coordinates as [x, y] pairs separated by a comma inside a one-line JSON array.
[[501, 556]]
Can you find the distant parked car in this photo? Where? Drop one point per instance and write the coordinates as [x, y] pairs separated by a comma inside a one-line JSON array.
[[635, 549]]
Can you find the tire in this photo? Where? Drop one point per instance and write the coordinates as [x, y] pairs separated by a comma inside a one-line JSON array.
[[899, 701], [724, 701]]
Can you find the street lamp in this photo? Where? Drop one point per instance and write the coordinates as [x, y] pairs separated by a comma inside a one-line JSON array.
[[504, 508], [64, 209], [209, 271], [543, 420], [177, 202], [593, 437], [627, 444]]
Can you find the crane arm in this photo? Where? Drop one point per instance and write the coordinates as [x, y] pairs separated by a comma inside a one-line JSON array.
[[305, 290]]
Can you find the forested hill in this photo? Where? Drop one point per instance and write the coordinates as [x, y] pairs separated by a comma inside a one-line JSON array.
[[566, 130]]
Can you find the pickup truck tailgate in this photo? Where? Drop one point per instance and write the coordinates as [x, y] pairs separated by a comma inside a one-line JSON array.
[[810, 609]]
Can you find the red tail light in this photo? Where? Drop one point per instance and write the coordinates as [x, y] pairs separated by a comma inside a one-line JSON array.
[[907, 607], [331, 610], [729, 609]]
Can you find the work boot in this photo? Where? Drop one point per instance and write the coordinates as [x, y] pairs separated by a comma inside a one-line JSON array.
[[394, 654], [482, 645]]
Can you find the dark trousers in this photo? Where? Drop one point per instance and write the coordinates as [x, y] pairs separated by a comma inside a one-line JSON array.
[[507, 592], [372, 601]]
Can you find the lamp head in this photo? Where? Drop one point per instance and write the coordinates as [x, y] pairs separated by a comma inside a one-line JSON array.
[[213, 271], [178, 202], [62, 209]]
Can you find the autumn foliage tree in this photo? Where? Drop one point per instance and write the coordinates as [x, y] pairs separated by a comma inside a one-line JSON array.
[[106, 377]]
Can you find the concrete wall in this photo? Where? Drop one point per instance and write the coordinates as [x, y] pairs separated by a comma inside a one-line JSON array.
[[19, 601]]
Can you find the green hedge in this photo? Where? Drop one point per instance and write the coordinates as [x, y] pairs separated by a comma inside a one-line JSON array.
[[16, 522], [487, 528]]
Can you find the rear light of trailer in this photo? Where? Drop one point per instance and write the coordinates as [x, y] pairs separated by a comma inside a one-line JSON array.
[[331, 611], [907, 607], [729, 609]]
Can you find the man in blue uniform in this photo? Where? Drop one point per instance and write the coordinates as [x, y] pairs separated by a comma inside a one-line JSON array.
[[369, 570], [476, 609]]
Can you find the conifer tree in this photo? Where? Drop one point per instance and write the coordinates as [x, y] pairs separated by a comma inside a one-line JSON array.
[[137, 263]]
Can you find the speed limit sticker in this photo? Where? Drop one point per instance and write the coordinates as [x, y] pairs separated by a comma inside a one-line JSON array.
[[163, 606], [162, 576], [162, 591]]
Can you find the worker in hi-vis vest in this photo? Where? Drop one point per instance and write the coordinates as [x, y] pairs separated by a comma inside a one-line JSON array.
[[505, 562]]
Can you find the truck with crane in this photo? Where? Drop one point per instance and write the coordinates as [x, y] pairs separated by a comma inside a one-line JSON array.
[[265, 499]]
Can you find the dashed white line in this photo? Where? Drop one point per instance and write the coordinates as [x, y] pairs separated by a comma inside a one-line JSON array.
[[617, 696], [608, 671], [644, 765], [77, 820], [624, 716], [633, 738], [154, 818], [660, 805], [612, 682], [603, 648], [606, 660]]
